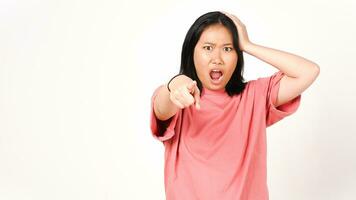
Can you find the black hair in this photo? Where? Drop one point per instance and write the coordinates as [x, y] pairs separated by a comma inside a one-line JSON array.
[[236, 83]]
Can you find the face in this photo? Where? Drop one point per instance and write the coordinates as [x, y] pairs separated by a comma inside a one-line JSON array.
[[215, 57]]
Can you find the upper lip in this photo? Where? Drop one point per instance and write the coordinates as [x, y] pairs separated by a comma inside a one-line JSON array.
[[216, 69]]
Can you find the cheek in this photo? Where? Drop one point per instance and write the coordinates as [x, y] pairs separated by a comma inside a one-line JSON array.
[[196, 58], [200, 57], [231, 58], [231, 62], [201, 63], [200, 71]]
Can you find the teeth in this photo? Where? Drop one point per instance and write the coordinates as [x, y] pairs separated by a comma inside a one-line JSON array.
[[215, 70]]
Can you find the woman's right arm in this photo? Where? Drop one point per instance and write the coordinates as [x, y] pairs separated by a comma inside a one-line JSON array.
[[164, 107]]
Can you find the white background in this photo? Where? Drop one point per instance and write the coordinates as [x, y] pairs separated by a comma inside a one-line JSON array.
[[76, 79]]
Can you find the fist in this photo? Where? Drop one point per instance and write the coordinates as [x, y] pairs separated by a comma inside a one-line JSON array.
[[186, 95]]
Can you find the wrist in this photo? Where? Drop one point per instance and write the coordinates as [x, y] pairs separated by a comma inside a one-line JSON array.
[[248, 48], [169, 89]]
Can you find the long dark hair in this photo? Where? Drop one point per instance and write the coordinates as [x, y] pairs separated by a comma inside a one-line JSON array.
[[236, 83]]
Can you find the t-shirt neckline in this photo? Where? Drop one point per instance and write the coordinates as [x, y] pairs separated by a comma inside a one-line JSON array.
[[219, 92]]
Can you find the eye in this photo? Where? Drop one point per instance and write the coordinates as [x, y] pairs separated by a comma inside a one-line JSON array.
[[205, 47], [229, 48]]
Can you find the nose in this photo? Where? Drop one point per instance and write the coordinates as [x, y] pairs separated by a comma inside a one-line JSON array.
[[217, 62], [216, 58]]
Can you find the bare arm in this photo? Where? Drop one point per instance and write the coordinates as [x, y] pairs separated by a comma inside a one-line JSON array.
[[163, 107], [300, 73]]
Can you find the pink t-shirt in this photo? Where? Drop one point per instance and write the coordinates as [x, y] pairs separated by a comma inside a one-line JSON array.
[[219, 151]]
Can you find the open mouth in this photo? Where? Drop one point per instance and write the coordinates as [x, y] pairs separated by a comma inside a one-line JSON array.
[[216, 74]]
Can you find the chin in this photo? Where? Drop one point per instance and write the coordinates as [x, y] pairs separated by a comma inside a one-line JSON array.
[[215, 87]]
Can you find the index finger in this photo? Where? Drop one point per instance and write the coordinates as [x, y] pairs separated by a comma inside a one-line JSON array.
[[197, 97]]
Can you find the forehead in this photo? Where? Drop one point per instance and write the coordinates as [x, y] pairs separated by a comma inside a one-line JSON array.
[[216, 34]]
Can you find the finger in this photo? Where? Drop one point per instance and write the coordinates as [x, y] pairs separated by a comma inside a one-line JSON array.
[[232, 16], [197, 97], [176, 102], [237, 19], [188, 98], [182, 95], [191, 86]]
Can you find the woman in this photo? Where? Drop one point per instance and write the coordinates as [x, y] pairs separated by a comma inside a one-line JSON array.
[[212, 123]]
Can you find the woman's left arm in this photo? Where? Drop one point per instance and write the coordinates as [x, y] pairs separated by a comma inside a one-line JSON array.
[[299, 72]]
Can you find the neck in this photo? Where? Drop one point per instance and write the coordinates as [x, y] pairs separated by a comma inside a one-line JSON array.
[[213, 92]]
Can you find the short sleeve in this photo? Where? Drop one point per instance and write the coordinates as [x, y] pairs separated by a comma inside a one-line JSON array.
[[162, 130], [270, 86]]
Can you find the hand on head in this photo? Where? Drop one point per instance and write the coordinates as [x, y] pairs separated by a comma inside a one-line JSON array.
[[244, 40]]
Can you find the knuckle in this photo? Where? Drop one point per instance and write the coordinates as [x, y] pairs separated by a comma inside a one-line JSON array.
[[185, 102], [175, 92], [172, 96], [191, 100]]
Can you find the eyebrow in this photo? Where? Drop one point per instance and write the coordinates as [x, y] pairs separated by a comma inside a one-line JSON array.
[[214, 43]]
